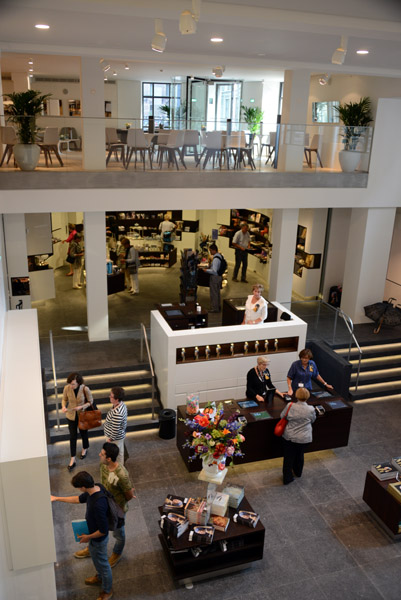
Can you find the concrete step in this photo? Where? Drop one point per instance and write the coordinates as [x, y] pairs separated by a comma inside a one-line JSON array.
[[377, 362], [101, 395], [371, 350], [390, 374], [371, 390], [134, 407], [105, 380]]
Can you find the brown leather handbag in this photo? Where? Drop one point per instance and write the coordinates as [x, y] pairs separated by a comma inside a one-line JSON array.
[[90, 417]]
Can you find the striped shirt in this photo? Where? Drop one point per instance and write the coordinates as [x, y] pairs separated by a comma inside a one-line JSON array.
[[116, 422]]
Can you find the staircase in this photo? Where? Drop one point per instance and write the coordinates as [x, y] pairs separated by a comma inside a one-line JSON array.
[[380, 374], [137, 383]]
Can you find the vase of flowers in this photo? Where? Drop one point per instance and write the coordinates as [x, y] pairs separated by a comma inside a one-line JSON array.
[[213, 438]]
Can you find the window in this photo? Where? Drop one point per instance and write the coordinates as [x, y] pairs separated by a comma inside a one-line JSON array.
[[156, 102]]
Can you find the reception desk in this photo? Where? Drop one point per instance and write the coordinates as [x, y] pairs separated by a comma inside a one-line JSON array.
[[214, 361], [330, 430]]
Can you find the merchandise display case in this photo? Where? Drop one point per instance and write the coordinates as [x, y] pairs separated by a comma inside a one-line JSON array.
[[304, 260], [152, 254], [258, 225], [234, 549], [386, 509], [183, 316]]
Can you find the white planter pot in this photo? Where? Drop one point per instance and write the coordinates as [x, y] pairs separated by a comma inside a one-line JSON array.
[[27, 156], [211, 465], [349, 160]]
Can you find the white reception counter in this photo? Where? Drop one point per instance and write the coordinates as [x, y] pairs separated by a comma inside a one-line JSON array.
[[214, 361]]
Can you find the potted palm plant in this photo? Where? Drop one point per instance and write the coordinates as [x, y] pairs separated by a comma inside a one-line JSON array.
[[23, 111], [355, 117], [253, 116]]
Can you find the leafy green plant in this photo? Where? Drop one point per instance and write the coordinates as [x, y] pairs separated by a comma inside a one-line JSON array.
[[165, 110], [355, 116], [25, 107], [252, 117]]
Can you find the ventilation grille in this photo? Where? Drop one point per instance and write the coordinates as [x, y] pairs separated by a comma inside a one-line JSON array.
[[58, 79]]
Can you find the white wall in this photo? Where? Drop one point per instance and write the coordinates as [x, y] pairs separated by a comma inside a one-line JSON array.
[[271, 90], [337, 249], [393, 279], [129, 102]]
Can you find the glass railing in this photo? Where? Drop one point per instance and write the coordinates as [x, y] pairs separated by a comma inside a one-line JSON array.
[[76, 143]]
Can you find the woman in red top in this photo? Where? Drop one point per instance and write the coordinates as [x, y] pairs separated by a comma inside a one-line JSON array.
[[72, 232]]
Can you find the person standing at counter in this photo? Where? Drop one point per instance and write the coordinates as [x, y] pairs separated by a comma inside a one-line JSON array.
[[241, 243], [132, 263], [297, 434], [258, 381], [302, 372], [215, 279], [255, 307]]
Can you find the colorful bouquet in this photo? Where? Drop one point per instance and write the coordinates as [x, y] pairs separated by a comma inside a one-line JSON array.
[[213, 438]]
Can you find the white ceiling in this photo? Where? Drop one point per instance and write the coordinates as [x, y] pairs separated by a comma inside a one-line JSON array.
[[289, 33]]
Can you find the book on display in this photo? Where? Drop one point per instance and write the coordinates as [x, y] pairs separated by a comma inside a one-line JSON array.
[[396, 462], [384, 471], [219, 523], [220, 503], [260, 416], [201, 534], [79, 527], [196, 511], [235, 493], [175, 504], [174, 524], [246, 517], [395, 490]]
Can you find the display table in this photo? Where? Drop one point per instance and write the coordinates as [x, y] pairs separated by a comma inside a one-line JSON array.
[[386, 509], [244, 546], [329, 431], [234, 308], [183, 316]]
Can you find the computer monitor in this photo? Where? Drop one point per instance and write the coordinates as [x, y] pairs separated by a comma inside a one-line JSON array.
[[270, 395]]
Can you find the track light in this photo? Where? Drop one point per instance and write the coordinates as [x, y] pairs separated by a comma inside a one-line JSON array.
[[188, 19], [324, 79], [159, 39], [126, 67], [218, 71], [106, 68], [340, 53]]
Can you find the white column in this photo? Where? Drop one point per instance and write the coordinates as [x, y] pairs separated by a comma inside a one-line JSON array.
[[368, 251], [294, 116], [96, 276], [285, 223], [16, 255], [93, 122]]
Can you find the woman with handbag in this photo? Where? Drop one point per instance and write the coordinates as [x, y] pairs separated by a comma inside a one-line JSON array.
[[76, 397], [71, 233], [77, 252], [297, 434]]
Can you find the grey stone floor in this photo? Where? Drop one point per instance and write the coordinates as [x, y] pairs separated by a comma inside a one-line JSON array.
[[321, 541]]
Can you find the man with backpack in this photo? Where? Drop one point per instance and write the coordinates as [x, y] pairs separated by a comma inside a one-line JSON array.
[[217, 268], [97, 509]]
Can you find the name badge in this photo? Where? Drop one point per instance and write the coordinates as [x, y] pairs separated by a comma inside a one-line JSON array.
[[311, 368]]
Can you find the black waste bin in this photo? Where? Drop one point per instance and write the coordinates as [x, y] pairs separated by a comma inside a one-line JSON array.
[[167, 424]]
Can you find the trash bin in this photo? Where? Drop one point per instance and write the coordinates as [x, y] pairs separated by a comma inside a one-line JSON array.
[[167, 424]]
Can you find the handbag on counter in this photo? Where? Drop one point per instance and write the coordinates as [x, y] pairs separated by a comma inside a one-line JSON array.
[[282, 424], [89, 418]]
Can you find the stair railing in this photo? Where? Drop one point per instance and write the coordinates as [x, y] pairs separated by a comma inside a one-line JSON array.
[[144, 341], [54, 378]]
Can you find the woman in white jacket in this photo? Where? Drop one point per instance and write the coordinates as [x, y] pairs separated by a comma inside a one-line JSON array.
[[297, 434]]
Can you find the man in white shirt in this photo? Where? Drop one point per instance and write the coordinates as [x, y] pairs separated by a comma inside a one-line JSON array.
[[241, 243]]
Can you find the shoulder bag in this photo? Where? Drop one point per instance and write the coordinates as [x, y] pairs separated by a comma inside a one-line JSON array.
[[282, 424], [91, 417]]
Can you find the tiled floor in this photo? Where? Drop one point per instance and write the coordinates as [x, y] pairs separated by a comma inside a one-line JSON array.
[[321, 542]]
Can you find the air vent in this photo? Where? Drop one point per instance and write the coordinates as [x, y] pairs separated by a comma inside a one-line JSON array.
[[58, 79]]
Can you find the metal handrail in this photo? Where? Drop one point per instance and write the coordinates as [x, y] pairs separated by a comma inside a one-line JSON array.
[[144, 337], [350, 326], [54, 377]]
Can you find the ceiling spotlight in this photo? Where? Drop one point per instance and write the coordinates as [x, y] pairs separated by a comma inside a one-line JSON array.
[[114, 74], [31, 70], [340, 53], [126, 67], [218, 71], [42, 26], [362, 51], [188, 19], [216, 40], [30, 62], [105, 78], [159, 39], [324, 79], [106, 68]]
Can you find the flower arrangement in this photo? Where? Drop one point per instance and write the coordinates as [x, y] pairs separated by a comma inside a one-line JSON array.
[[213, 438]]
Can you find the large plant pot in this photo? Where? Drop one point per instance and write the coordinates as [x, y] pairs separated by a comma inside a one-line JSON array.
[[27, 156], [349, 160], [211, 471]]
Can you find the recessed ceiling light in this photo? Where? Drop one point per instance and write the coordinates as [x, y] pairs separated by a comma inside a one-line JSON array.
[[126, 67], [114, 74], [261, 54], [30, 62], [31, 70], [105, 78], [216, 40], [42, 26], [362, 51]]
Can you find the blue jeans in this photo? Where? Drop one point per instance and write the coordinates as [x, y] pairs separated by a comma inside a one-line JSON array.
[[98, 552], [119, 536]]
